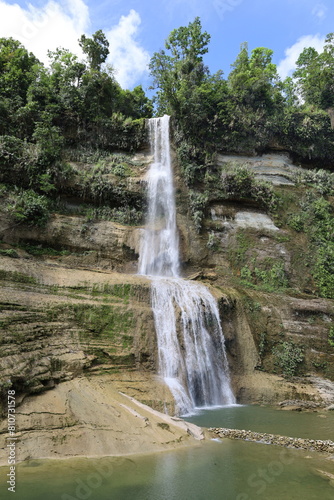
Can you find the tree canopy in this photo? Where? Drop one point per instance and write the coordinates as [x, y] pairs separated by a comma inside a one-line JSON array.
[[315, 75], [248, 111], [96, 49], [251, 109]]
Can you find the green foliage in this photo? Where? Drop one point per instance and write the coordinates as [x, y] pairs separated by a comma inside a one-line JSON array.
[[315, 74], [192, 168], [49, 140], [296, 221], [323, 270], [271, 278], [17, 70], [316, 219], [11, 150], [28, 207], [3, 190], [251, 109], [123, 215], [251, 305], [16, 277], [181, 67], [254, 80], [331, 336], [186, 89], [238, 182], [96, 49], [197, 205], [164, 426], [135, 103], [103, 320], [97, 186], [288, 357], [307, 132], [321, 180], [213, 242], [9, 253], [67, 102], [238, 255], [38, 250]]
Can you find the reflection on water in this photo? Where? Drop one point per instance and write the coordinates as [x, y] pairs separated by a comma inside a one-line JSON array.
[[227, 470]]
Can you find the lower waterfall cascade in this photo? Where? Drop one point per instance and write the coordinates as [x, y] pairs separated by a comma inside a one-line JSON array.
[[191, 347]]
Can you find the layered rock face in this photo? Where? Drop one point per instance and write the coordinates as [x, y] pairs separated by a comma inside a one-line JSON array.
[[72, 305]]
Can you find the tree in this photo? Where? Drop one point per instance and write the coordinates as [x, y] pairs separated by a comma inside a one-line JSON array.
[[182, 66], [135, 103], [254, 80], [315, 75], [17, 69], [96, 49]]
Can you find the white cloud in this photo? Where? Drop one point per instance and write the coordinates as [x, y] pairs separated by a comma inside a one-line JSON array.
[[48, 27], [128, 58], [319, 11], [287, 65], [60, 24]]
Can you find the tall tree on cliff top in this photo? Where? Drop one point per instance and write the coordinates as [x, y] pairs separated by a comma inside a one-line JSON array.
[[182, 65], [254, 80], [18, 70], [315, 75], [96, 49]]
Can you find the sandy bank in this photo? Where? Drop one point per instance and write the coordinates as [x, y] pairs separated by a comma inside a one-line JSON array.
[[91, 418]]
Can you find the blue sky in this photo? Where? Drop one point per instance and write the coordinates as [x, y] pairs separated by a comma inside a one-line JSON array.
[[137, 28]]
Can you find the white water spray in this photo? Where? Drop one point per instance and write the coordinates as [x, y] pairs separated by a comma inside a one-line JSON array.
[[159, 253], [192, 356]]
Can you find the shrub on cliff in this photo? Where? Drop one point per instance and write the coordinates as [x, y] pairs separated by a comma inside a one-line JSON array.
[[238, 182], [28, 207], [288, 357]]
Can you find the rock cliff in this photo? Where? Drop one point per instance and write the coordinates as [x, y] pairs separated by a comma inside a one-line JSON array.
[[73, 310]]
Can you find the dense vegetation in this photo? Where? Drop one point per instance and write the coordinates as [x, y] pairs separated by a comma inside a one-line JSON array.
[[252, 110], [71, 102], [75, 111], [49, 115], [67, 103]]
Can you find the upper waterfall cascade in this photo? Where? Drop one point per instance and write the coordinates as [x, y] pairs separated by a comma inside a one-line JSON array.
[[192, 357], [159, 253]]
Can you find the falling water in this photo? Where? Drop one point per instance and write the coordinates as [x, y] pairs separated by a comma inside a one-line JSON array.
[[159, 253], [192, 356]]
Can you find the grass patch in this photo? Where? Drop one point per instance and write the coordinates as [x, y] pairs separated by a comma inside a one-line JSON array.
[[97, 321], [16, 277], [38, 250], [9, 253], [164, 426]]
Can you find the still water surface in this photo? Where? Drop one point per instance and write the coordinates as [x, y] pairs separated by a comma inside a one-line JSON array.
[[307, 425], [226, 470]]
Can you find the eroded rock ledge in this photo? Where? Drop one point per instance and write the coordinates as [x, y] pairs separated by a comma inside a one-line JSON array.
[[92, 417]]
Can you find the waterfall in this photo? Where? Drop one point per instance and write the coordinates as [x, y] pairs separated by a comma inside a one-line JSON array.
[[192, 357], [159, 253]]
